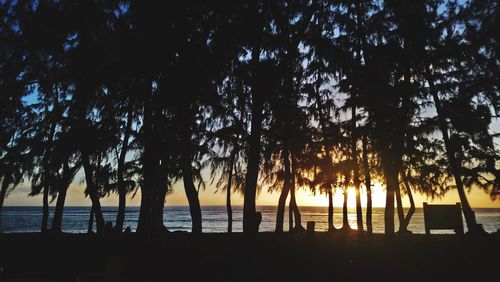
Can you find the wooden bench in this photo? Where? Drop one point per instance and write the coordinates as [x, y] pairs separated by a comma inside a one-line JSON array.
[[443, 217]]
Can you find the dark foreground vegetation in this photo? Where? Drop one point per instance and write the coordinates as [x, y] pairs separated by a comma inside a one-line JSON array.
[[264, 257]]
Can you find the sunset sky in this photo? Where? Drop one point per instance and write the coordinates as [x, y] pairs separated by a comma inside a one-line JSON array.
[[208, 197]]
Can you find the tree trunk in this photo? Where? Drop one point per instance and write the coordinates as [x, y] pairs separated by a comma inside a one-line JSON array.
[[322, 120], [355, 170], [402, 135], [228, 206], [160, 226], [284, 194], [192, 195], [122, 190], [345, 219], [46, 175], [68, 175], [411, 211], [331, 227], [358, 82], [58, 212], [401, 213], [189, 187], [469, 215], [280, 215], [3, 193], [359, 211], [368, 183], [228, 190], [91, 220], [297, 217], [120, 215], [399, 203], [149, 191], [389, 202], [187, 175], [93, 193], [45, 207], [250, 224], [345, 216], [144, 225], [293, 202]]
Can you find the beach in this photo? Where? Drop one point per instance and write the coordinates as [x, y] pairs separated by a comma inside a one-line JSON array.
[[262, 257]]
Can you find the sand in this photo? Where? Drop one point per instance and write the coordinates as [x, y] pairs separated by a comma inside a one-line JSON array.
[[237, 257]]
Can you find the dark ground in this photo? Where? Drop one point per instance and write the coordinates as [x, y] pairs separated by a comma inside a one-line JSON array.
[[265, 257]]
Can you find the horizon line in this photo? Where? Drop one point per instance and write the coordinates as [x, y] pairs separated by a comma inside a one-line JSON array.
[[303, 206]]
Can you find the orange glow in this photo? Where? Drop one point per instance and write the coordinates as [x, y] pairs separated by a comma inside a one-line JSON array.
[[307, 198], [477, 198]]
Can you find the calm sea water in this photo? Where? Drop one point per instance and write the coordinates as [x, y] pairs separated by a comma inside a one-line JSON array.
[[75, 219]]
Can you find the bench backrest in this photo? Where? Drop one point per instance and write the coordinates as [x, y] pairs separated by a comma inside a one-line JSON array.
[[443, 217]]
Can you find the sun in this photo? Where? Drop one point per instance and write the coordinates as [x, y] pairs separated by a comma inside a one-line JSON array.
[[305, 197]]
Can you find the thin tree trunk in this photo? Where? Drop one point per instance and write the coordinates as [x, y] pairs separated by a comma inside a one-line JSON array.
[[3, 193], [293, 202], [187, 173], [345, 219], [91, 220], [287, 181], [295, 211], [331, 227], [359, 211], [366, 168], [411, 211], [228, 191], [122, 191], [58, 212], [400, 210], [68, 174], [146, 222], [93, 193], [389, 202], [120, 215], [160, 226], [280, 215], [228, 206], [192, 195], [61, 198], [355, 170], [402, 135], [322, 120], [144, 225], [46, 175], [469, 215], [45, 207], [345, 216], [250, 224], [189, 187], [354, 137]]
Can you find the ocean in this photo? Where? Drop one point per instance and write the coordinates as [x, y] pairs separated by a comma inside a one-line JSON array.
[[177, 218]]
